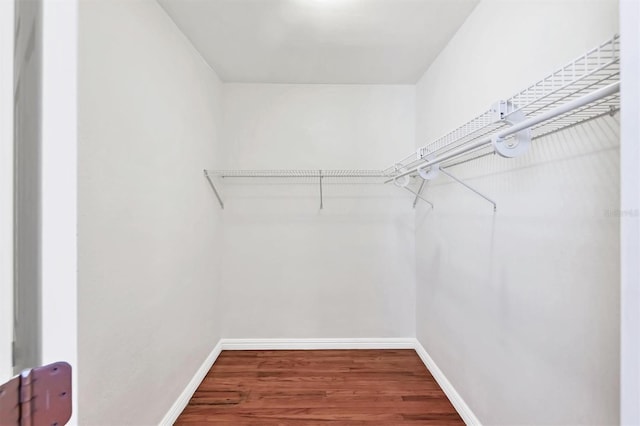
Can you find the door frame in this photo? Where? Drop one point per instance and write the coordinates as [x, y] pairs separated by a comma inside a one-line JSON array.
[[59, 179], [59, 186], [6, 187]]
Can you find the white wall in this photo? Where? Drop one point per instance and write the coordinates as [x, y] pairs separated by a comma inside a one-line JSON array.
[[148, 222], [292, 270], [630, 203], [520, 309]]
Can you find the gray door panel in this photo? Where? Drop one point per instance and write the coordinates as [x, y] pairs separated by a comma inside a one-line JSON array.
[[27, 214]]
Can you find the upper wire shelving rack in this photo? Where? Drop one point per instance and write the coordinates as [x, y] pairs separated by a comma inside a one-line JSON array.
[[584, 89], [595, 69]]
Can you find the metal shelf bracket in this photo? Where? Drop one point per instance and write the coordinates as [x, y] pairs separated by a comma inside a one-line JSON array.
[[215, 190], [415, 200], [419, 195], [321, 204], [475, 191], [516, 144]]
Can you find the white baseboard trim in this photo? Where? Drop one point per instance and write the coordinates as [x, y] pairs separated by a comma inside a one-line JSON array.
[[456, 400], [182, 401], [310, 344]]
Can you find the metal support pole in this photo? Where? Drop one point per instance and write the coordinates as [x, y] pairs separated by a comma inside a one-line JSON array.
[[321, 204], [215, 191], [495, 207], [415, 200]]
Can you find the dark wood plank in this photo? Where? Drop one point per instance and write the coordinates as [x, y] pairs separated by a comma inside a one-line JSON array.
[[386, 387]]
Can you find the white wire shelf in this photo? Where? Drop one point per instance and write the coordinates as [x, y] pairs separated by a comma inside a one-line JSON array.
[[294, 177], [593, 70], [302, 176]]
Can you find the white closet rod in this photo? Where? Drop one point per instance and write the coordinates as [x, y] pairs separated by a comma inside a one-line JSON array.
[[530, 122]]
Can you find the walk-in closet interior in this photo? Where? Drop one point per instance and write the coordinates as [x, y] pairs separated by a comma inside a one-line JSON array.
[[432, 175]]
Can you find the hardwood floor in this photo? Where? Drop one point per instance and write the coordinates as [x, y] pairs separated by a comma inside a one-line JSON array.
[[384, 387]]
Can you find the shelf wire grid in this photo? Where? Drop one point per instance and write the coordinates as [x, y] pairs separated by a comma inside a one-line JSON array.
[[595, 69], [301, 176]]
